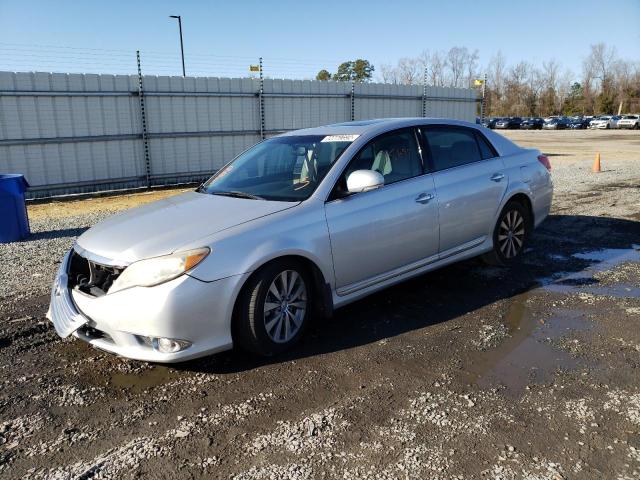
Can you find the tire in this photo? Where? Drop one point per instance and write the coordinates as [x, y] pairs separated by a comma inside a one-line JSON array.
[[507, 248], [267, 319]]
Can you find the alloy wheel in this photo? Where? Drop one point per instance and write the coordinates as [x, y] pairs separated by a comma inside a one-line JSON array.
[[511, 233], [285, 306]]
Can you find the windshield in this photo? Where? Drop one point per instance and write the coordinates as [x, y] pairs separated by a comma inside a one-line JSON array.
[[285, 168]]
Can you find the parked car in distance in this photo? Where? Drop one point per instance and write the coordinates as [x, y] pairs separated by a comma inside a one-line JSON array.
[[600, 122], [604, 122], [532, 123], [578, 123], [556, 124], [294, 227], [509, 123], [629, 121], [491, 122]]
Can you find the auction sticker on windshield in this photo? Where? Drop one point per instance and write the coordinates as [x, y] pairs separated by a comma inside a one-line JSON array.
[[339, 138]]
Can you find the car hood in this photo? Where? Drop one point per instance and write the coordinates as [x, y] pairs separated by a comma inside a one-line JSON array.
[[159, 228]]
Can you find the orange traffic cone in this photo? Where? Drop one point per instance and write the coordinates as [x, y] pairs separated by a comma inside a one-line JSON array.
[[596, 163]]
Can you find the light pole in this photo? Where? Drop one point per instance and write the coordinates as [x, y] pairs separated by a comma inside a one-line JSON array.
[[184, 73]]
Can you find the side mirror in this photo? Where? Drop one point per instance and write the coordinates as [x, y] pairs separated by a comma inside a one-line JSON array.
[[364, 180]]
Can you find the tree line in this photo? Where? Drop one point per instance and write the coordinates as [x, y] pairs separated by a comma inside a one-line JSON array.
[[605, 84]]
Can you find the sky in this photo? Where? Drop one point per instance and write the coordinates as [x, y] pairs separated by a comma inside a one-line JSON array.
[[298, 38]]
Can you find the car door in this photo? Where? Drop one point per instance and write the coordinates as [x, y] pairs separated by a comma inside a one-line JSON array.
[[470, 180], [376, 233]]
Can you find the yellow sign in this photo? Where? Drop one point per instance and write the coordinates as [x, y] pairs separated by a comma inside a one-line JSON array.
[[478, 81], [254, 68]]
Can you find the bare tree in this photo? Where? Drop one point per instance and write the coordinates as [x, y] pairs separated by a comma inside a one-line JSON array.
[[603, 59], [495, 78], [515, 88], [526, 89], [471, 67], [588, 87], [496, 71], [549, 78], [565, 80], [456, 60], [389, 74], [409, 71], [436, 69]]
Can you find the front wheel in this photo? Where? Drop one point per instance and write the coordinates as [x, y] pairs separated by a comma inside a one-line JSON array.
[[511, 232], [274, 308]]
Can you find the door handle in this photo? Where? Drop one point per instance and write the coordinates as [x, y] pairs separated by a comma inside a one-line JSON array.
[[424, 198], [496, 177]]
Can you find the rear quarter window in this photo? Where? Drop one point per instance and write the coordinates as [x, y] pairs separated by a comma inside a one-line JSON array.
[[486, 150]]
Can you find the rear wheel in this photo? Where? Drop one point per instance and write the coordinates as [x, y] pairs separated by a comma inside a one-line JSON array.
[[274, 308], [509, 235]]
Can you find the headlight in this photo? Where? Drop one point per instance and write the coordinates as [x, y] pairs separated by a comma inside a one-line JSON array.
[[153, 271]]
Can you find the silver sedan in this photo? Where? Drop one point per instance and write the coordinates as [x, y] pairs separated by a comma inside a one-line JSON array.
[[294, 227]]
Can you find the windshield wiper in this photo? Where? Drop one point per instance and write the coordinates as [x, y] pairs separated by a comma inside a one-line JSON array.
[[237, 194]]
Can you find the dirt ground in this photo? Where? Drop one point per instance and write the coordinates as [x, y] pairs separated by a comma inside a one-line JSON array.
[[110, 203], [467, 372]]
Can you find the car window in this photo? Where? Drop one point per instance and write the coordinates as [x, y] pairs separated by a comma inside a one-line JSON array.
[[451, 147], [287, 168], [485, 149], [394, 155]]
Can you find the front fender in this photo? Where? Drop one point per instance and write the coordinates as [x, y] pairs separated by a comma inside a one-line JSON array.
[[247, 247]]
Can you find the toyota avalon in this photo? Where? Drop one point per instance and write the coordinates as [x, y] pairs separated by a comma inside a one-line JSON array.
[[293, 228]]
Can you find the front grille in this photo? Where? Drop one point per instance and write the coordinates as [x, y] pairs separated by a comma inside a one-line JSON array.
[[90, 277]]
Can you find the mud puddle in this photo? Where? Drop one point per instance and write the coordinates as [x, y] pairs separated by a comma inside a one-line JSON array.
[[527, 355], [590, 285], [585, 281]]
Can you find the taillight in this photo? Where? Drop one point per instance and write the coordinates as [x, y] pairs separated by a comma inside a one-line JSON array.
[[544, 160]]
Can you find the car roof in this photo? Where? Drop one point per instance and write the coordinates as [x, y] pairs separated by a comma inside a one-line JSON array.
[[378, 125]]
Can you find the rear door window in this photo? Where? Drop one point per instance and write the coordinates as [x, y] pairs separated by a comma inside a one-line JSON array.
[[451, 147]]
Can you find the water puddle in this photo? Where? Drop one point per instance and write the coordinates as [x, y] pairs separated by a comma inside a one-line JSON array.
[[527, 355], [619, 290], [585, 281]]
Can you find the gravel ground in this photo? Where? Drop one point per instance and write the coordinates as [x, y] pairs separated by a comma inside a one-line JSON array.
[[467, 372]]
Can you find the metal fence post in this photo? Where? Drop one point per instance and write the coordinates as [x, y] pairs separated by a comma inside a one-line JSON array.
[[424, 94], [143, 117], [261, 100], [353, 101], [483, 105]]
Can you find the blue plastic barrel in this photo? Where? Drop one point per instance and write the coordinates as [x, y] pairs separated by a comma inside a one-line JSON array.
[[14, 223]]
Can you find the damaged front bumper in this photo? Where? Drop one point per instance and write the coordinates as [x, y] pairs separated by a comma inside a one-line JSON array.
[[132, 322], [62, 311]]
